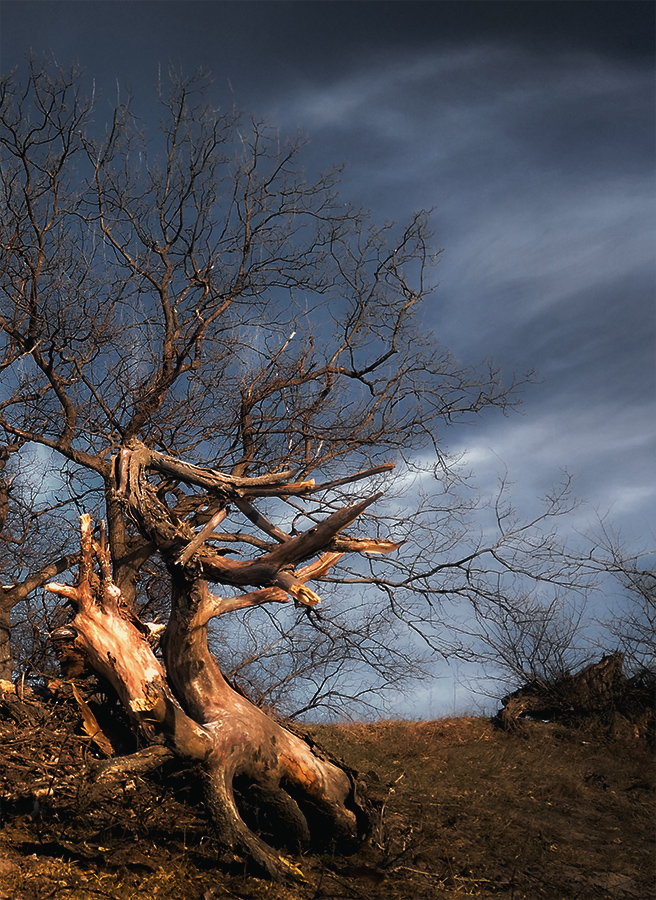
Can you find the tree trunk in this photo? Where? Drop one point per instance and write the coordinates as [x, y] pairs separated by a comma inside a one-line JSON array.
[[301, 797], [6, 659], [258, 774]]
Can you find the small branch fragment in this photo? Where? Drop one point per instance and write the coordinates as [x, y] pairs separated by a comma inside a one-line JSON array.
[[370, 546], [203, 535], [319, 567], [140, 763], [301, 594], [261, 521], [217, 606], [91, 726], [349, 479]]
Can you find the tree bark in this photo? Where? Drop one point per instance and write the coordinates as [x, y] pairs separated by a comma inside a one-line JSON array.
[[258, 774], [307, 799], [109, 638], [600, 689], [6, 657]]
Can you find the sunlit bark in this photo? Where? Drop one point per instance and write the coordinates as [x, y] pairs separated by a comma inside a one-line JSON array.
[[313, 801]]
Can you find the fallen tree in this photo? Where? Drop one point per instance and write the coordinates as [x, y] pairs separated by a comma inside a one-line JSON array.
[[307, 798], [600, 693]]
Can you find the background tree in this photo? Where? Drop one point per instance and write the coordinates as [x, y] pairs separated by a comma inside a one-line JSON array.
[[547, 639], [228, 362], [632, 624], [32, 551], [544, 641]]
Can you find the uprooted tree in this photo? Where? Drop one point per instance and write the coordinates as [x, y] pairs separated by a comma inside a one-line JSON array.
[[600, 694], [189, 701], [224, 365]]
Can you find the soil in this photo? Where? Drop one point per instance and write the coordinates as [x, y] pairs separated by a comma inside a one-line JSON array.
[[464, 810]]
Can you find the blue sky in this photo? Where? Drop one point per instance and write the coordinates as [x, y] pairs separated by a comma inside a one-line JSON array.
[[528, 127]]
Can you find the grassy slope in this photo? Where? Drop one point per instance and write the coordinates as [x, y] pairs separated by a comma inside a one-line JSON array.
[[474, 812], [467, 811]]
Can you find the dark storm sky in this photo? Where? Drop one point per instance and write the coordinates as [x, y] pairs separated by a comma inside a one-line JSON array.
[[528, 126]]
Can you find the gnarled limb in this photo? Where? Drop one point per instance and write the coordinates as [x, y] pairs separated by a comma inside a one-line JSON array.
[[216, 606], [115, 643], [303, 798], [274, 566]]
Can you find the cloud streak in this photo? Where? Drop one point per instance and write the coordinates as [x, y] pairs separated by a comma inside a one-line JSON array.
[[540, 167], [529, 128]]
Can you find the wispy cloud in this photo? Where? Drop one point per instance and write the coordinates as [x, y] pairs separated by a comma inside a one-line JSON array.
[[610, 451], [542, 174]]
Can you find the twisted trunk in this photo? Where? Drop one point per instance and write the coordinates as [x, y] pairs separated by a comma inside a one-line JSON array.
[[301, 797], [260, 777], [258, 774]]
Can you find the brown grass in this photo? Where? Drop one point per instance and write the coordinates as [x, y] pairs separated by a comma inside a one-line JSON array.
[[466, 811], [474, 812]]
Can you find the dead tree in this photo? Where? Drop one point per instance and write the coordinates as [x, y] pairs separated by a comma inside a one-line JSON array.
[[598, 694], [201, 295], [198, 297], [185, 699]]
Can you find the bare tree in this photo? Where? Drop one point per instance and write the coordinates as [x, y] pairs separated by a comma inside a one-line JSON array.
[[32, 551], [232, 367], [632, 624], [538, 639], [527, 613]]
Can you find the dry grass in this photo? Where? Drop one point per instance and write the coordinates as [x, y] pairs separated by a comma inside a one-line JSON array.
[[466, 811], [479, 813]]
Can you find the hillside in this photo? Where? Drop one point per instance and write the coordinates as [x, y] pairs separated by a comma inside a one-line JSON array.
[[466, 811]]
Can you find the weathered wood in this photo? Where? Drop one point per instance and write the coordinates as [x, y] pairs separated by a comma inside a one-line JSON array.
[[319, 801], [135, 454], [203, 535], [146, 760], [187, 701], [115, 644], [601, 691], [271, 568]]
